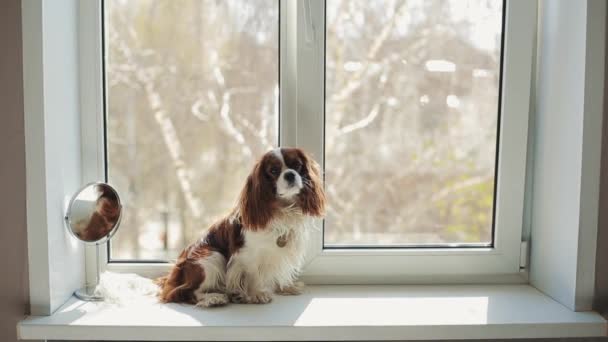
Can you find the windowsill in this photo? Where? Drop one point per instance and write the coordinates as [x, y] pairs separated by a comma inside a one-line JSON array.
[[331, 313]]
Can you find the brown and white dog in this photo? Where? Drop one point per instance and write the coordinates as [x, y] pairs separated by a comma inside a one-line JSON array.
[[258, 249]]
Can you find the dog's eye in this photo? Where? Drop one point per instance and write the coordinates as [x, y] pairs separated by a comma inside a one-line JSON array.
[[298, 166], [275, 171]]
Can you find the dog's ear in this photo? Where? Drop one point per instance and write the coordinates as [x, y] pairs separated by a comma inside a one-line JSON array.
[[312, 196], [257, 200]]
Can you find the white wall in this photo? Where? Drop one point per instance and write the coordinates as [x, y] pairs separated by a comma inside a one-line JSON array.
[[567, 137], [52, 129]]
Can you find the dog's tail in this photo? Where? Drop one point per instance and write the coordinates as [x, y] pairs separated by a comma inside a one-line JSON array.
[[161, 281], [179, 285]]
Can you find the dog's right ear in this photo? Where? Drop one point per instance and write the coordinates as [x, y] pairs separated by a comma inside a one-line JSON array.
[[257, 200]]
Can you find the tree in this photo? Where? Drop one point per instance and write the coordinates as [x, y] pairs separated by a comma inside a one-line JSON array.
[[410, 151]]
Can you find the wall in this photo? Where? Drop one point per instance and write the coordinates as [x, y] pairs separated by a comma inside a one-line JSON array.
[[13, 244], [601, 267], [52, 150]]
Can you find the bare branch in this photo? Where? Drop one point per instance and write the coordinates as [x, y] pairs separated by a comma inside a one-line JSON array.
[[229, 125], [354, 81], [361, 123]]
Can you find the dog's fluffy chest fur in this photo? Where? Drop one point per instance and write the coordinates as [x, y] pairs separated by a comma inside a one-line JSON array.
[[273, 265]]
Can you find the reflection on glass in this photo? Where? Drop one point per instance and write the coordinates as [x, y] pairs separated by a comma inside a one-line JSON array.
[[411, 121], [192, 90]]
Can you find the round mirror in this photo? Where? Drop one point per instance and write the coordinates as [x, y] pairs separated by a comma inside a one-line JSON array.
[[94, 213]]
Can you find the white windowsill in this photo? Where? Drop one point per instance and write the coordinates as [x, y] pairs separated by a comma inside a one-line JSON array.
[[331, 313]]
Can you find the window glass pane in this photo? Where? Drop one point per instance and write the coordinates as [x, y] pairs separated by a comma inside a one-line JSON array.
[[192, 100], [412, 109]]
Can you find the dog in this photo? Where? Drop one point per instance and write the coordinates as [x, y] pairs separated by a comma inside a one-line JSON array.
[[258, 249]]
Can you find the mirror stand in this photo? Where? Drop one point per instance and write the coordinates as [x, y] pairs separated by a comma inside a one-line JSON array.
[[89, 291], [93, 216]]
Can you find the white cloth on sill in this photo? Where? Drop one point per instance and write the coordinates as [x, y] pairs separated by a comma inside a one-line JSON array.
[[126, 288]]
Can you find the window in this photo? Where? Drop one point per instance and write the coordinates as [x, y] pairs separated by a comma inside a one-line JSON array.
[[411, 88], [192, 99], [413, 108]]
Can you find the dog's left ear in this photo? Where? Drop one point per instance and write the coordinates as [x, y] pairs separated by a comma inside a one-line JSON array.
[[312, 195]]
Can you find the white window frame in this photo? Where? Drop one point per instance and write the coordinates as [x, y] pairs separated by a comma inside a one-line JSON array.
[[302, 124]]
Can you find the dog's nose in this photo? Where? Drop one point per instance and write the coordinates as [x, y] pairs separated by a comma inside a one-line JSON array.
[[290, 177]]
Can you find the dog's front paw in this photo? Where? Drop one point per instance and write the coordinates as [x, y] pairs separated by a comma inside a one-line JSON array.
[[292, 290], [210, 300], [261, 298], [255, 298]]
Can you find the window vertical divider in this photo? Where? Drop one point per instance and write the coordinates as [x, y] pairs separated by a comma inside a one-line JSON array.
[[302, 85]]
